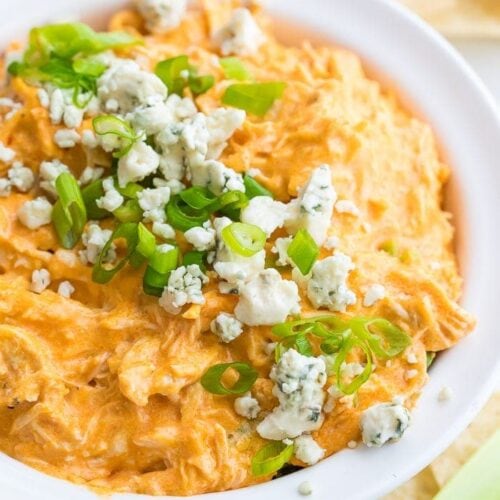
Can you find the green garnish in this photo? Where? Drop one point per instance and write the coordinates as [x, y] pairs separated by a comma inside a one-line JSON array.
[[244, 239], [255, 98], [303, 251], [62, 55], [195, 257], [69, 215], [183, 217], [430, 357], [177, 74], [102, 273], [197, 197], [271, 458], [130, 211], [161, 263], [253, 188], [146, 241], [90, 195], [374, 337], [212, 378], [234, 69], [112, 125]]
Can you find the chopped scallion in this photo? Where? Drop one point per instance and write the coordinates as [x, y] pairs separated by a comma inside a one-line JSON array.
[[234, 69], [255, 98], [69, 214], [253, 188], [271, 458], [244, 239], [212, 378], [303, 251]]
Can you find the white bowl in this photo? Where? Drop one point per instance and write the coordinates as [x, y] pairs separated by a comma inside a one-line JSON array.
[[432, 76]]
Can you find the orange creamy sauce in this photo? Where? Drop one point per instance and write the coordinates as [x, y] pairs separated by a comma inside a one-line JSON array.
[[103, 389]]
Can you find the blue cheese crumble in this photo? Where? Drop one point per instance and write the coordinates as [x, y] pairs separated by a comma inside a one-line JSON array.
[[299, 382], [384, 423]]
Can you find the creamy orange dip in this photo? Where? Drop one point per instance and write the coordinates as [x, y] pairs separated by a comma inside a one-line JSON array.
[[101, 385]]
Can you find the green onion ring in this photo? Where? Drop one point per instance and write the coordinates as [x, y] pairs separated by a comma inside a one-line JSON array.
[[271, 458], [212, 378], [244, 239]]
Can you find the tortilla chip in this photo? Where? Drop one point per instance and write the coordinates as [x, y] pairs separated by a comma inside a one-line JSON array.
[[460, 18], [426, 484]]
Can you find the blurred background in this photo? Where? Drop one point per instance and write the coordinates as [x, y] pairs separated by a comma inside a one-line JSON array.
[[473, 27]]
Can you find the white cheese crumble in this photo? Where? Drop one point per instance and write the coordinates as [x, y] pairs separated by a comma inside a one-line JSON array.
[[281, 248], [215, 176], [231, 266], [445, 394], [153, 201], [112, 199], [35, 213], [141, 161], [40, 280], [65, 289], [94, 239], [89, 175], [226, 327], [49, 171], [184, 287], [21, 177], [5, 187], [66, 138], [411, 374], [352, 445], [328, 287], [247, 406], [89, 140], [299, 382], [411, 358], [332, 242], [264, 212], [384, 423], [373, 294], [202, 238], [14, 106], [6, 154], [240, 36], [163, 230], [346, 207], [125, 86], [267, 299], [305, 488], [307, 450], [313, 208], [161, 15]]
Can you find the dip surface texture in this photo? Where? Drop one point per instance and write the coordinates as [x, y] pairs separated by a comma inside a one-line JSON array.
[[101, 387]]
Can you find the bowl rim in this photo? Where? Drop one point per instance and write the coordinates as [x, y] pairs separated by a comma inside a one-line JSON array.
[[449, 93]]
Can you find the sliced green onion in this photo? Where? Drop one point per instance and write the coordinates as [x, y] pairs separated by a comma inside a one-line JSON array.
[[212, 378], [271, 458], [255, 98], [197, 197], [231, 200], [195, 257], [183, 217], [430, 357], [103, 273], [89, 66], [136, 259], [200, 84], [351, 343], [164, 261], [112, 125], [130, 211], [69, 214], [146, 241], [90, 195], [332, 344], [253, 188], [153, 282], [169, 72], [244, 239], [386, 340], [130, 190], [234, 69], [299, 342], [303, 251]]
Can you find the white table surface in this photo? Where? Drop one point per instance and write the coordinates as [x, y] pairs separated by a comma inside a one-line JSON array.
[[484, 57]]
